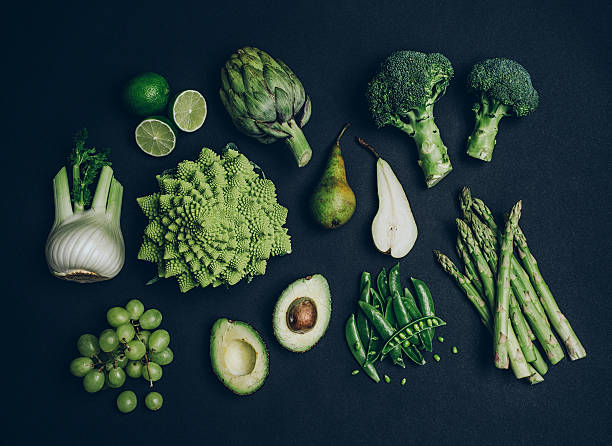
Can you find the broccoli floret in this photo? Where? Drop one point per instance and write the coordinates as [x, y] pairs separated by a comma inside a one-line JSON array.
[[403, 93], [503, 88]]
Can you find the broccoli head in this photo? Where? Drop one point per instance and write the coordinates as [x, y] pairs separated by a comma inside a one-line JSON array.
[[503, 88], [402, 93]]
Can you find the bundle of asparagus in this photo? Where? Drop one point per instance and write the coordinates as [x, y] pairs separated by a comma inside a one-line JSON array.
[[510, 295]]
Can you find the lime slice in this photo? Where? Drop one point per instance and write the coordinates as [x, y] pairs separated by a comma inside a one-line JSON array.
[[189, 110], [155, 137]]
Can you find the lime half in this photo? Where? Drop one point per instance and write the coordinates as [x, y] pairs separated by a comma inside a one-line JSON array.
[[189, 110], [155, 137]]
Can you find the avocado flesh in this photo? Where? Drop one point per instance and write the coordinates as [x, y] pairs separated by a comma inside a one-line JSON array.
[[313, 289], [238, 356]]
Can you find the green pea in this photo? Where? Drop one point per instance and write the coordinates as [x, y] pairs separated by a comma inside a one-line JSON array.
[[455, 351], [403, 381], [354, 372], [437, 358], [440, 339], [387, 379]]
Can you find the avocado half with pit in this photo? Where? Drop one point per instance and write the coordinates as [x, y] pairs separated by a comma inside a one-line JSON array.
[[238, 355], [302, 313]]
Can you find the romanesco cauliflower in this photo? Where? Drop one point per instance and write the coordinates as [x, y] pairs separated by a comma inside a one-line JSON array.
[[213, 222]]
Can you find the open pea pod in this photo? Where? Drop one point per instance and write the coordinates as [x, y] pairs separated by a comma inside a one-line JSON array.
[[383, 285], [401, 336]]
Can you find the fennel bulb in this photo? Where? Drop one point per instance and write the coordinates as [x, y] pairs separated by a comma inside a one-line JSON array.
[[86, 245]]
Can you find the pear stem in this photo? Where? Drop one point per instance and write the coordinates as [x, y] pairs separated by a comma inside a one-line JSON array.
[[365, 145], [346, 126]]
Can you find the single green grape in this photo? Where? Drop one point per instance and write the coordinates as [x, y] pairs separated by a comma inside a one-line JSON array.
[[134, 369], [163, 357], [135, 308], [108, 340], [154, 400], [144, 336], [88, 345], [154, 369], [135, 350], [125, 332], [159, 340], [122, 360], [94, 380], [116, 377], [150, 319], [117, 316], [81, 366], [127, 401]]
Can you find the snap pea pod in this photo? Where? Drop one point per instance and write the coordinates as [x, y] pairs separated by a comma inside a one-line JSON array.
[[394, 281], [377, 301], [363, 327], [402, 316], [412, 308], [427, 309], [400, 337], [383, 285], [390, 314], [356, 347], [384, 329]]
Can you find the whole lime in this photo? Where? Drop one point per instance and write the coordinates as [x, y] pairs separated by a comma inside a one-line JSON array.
[[146, 94]]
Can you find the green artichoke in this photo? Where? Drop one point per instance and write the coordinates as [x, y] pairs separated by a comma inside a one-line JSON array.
[[266, 100]]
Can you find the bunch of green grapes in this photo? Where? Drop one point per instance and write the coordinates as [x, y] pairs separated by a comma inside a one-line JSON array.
[[129, 348]]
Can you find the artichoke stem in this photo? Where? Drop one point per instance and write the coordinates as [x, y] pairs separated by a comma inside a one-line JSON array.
[[298, 144]]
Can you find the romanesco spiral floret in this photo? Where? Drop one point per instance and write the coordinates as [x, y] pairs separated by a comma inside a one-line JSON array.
[[214, 221]]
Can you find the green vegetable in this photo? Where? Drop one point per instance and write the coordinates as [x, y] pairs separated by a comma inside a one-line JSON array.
[[502, 291], [384, 329], [436, 357], [520, 367], [574, 347], [86, 245], [363, 326], [394, 281], [401, 336], [402, 93], [154, 401], [215, 221], [127, 401], [356, 347], [403, 318], [403, 381], [382, 285], [354, 372], [427, 309], [502, 88], [454, 350], [387, 379], [266, 100], [440, 339], [470, 269]]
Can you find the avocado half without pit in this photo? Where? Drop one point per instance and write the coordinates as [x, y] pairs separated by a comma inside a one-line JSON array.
[[302, 313], [238, 355]]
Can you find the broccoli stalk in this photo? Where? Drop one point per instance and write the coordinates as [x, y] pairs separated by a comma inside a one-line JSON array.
[[503, 88], [403, 93]]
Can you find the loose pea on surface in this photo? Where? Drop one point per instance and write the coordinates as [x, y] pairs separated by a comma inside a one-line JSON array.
[[403, 381], [455, 350], [437, 358], [387, 379], [354, 372], [440, 339]]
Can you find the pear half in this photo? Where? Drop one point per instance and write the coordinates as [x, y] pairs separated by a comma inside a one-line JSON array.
[[394, 229]]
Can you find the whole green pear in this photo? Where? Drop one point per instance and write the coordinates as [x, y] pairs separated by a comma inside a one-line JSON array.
[[333, 202]]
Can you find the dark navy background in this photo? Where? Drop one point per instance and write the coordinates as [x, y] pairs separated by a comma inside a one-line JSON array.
[[66, 65]]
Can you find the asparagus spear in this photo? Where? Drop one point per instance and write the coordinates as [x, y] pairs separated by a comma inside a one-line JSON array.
[[470, 269], [534, 377], [574, 347], [486, 275], [464, 283], [519, 365], [502, 290]]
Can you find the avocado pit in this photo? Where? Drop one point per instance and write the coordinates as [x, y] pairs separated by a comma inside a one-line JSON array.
[[302, 315]]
